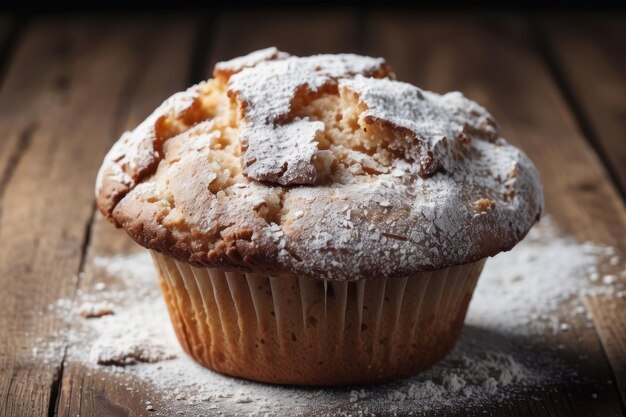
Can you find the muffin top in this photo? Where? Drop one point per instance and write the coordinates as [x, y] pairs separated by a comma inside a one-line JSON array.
[[324, 166]]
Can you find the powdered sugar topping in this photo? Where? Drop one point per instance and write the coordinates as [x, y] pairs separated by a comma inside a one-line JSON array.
[[277, 149], [427, 123]]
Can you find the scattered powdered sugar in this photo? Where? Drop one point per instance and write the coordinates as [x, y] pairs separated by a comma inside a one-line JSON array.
[[136, 333], [135, 270], [127, 340], [530, 283], [501, 354]]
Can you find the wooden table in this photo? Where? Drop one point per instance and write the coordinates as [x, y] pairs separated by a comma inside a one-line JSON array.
[[70, 84]]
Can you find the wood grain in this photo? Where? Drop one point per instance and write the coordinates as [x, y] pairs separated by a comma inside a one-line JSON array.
[[302, 34], [11, 148], [492, 60], [588, 54], [609, 315], [85, 391], [63, 102], [9, 31]]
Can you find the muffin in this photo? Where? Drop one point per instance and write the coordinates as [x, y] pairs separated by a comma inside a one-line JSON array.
[[314, 221]]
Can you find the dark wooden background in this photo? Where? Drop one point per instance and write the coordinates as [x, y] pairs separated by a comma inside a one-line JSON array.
[[72, 82]]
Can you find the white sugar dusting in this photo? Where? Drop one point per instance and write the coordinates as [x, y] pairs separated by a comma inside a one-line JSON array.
[[135, 335], [431, 119], [531, 282], [522, 295], [237, 64], [283, 153]]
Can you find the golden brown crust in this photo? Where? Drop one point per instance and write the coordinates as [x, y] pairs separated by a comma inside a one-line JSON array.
[[136, 154], [352, 177]]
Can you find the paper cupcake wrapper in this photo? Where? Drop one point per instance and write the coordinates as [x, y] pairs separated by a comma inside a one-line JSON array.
[[300, 330]]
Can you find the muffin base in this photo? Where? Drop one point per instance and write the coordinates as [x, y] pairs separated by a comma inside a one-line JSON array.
[[303, 331]]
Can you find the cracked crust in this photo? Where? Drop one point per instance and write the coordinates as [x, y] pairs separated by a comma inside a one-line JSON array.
[[322, 166]]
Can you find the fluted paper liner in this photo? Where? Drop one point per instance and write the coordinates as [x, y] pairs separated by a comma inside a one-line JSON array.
[[300, 330]]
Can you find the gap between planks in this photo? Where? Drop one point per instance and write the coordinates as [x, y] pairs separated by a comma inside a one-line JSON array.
[[140, 96], [56, 70], [55, 390], [560, 77], [493, 59], [608, 319], [11, 30], [195, 74]]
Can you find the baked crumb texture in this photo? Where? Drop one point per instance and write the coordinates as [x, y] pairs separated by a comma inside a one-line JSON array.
[[323, 166]]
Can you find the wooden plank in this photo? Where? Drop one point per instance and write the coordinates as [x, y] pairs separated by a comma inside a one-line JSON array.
[[304, 33], [84, 390], [492, 61], [63, 98], [587, 53], [164, 62], [610, 321], [11, 148], [8, 33]]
